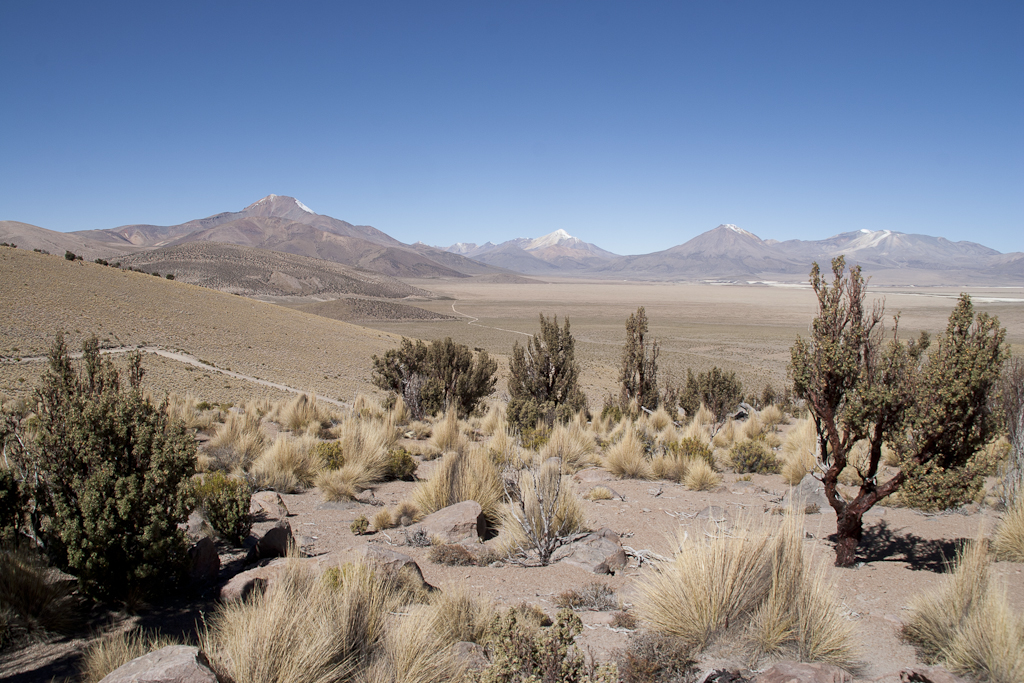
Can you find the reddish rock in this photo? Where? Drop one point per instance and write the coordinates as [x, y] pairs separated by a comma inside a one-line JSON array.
[[599, 552], [204, 562], [268, 504], [172, 664], [796, 672], [454, 523]]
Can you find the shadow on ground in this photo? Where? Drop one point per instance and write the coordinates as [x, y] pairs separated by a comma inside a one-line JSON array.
[[882, 543]]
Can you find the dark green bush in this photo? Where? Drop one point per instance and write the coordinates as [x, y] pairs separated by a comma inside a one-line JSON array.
[[112, 475], [544, 383], [932, 488], [330, 452], [717, 389], [753, 456], [691, 447], [12, 508], [401, 465], [225, 502]]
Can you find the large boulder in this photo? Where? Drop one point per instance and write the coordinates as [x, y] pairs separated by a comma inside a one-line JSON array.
[[273, 542], [806, 495], [600, 552], [267, 505], [393, 562], [172, 664], [204, 561], [459, 522], [797, 672], [259, 578]]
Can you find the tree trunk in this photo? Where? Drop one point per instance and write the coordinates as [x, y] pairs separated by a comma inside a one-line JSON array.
[[848, 531]]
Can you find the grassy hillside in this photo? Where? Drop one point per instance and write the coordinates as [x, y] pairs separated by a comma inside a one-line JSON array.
[[261, 272], [41, 294], [354, 310]]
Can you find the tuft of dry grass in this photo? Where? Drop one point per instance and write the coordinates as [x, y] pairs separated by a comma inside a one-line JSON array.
[[382, 520], [966, 625], [185, 408], [749, 590], [626, 458], [573, 444], [595, 596], [725, 436], [289, 465], [365, 407], [599, 493], [237, 442], [700, 476], [415, 649], [407, 513], [33, 597], [505, 451], [447, 435], [660, 419], [463, 617], [494, 421], [112, 651], [399, 414], [1009, 538], [300, 413], [669, 467], [799, 451], [772, 417], [461, 476], [364, 444]]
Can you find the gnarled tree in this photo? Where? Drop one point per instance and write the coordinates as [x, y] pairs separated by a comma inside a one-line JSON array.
[[638, 375], [929, 403], [544, 377]]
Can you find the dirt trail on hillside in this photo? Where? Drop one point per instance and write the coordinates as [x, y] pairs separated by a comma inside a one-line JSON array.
[[189, 359]]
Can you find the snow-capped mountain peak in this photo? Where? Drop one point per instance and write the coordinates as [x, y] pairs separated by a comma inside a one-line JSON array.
[[738, 230], [557, 237], [272, 199]]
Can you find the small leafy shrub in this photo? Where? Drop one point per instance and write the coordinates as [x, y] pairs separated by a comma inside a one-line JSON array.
[[522, 653], [401, 465], [451, 555], [753, 456], [225, 502], [360, 525], [330, 453], [691, 447], [624, 620], [12, 507], [595, 596], [653, 658]]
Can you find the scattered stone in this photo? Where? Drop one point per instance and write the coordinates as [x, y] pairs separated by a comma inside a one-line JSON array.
[[172, 664], [204, 562], [600, 552], [198, 526], [805, 495], [337, 505], [367, 498], [714, 513], [795, 672], [268, 504], [741, 488], [929, 674], [273, 543], [470, 654], [454, 523]]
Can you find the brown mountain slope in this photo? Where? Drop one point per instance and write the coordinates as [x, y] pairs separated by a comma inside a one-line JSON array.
[[262, 272], [29, 237], [40, 295], [351, 310]]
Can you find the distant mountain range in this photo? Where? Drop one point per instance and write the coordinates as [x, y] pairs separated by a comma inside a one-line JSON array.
[[726, 253]]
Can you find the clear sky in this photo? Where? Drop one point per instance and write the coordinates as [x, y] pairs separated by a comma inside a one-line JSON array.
[[632, 125]]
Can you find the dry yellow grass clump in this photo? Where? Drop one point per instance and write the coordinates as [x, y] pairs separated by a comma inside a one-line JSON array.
[[573, 444], [749, 591], [799, 451], [310, 629], [700, 476], [1009, 539], [505, 451], [288, 465], [626, 458], [236, 443], [966, 624], [301, 413], [547, 508], [447, 436], [462, 476]]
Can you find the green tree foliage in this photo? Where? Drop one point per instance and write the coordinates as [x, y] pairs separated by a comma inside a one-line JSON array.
[[929, 402], [225, 501], [544, 377], [717, 389], [638, 375], [433, 377], [108, 476]]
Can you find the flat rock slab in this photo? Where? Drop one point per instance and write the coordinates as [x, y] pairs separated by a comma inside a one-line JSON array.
[[454, 523], [593, 475], [796, 672], [600, 552], [808, 493], [268, 504], [172, 664]]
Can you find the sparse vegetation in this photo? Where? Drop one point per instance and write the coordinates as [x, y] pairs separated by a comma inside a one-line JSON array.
[[638, 373], [541, 510], [225, 504], [717, 390], [595, 596], [544, 383], [752, 455], [966, 624]]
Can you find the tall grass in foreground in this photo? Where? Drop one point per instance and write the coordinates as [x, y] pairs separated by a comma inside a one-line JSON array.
[[752, 592], [288, 465], [627, 458], [113, 651], [799, 451], [310, 629], [1009, 538], [573, 444], [966, 624]]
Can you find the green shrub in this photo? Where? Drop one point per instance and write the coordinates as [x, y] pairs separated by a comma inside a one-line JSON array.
[[113, 475], [522, 652], [931, 488], [717, 389], [225, 502], [691, 447], [330, 453], [360, 525], [543, 379], [754, 456], [12, 507], [401, 465]]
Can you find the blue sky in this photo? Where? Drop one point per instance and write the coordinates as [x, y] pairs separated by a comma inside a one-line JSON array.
[[633, 125]]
